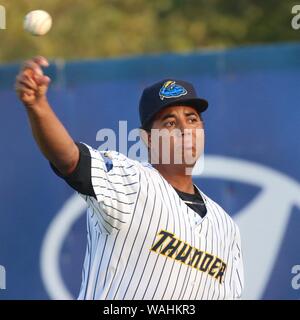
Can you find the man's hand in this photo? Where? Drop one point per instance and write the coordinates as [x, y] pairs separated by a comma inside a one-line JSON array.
[[31, 84]]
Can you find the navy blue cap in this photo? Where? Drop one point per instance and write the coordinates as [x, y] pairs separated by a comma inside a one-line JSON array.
[[166, 93]]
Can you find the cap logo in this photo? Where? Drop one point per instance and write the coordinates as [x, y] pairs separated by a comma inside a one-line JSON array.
[[171, 90]]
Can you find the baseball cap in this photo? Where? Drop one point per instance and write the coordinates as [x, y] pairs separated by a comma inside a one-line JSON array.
[[166, 93]]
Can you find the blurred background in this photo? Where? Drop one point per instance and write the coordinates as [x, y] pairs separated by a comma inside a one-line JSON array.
[[242, 56], [114, 28]]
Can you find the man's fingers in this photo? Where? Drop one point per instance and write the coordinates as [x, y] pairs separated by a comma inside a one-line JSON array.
[[40, 60], [28, 92], [31, 83], [28, 84], [23, 80], [32, 66], [30, 80], [33, 73], [42, 80], [24, 90], [26, 98], [25, 83]]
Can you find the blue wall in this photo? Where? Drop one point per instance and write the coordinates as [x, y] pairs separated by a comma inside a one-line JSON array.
[[253, 120]]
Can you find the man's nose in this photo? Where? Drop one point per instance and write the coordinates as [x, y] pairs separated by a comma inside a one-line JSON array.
[[183, 128]]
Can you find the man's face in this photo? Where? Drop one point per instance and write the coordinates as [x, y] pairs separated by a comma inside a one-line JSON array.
[[177, 136]]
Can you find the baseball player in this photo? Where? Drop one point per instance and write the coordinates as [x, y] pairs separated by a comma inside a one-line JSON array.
[[151, 232]]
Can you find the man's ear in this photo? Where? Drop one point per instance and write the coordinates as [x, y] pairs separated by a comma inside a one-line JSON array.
[[146, 137]]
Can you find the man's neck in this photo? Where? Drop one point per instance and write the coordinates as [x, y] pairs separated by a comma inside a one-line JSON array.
[[177, 177]]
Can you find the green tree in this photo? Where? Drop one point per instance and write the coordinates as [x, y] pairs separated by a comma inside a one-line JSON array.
[[110, 28]]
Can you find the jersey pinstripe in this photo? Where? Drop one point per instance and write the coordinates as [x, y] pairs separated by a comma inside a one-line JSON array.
[[144, 242]]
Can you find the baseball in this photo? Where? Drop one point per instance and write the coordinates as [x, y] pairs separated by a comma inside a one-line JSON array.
[[37, 22]]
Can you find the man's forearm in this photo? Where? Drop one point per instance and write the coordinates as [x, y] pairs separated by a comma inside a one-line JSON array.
[[49, 133], [52, 138]]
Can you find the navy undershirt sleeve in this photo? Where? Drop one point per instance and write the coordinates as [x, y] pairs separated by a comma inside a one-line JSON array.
[[80, 178]]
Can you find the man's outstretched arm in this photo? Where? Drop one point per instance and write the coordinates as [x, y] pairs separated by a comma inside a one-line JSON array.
[[49, 133]]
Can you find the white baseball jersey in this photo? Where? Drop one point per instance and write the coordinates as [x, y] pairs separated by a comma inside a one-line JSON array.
[[144, 242]]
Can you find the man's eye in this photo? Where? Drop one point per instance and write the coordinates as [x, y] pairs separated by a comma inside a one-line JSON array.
[[194, 119], [169, 123]]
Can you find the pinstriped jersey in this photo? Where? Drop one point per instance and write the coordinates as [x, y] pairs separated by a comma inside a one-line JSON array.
[[144, 242]]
